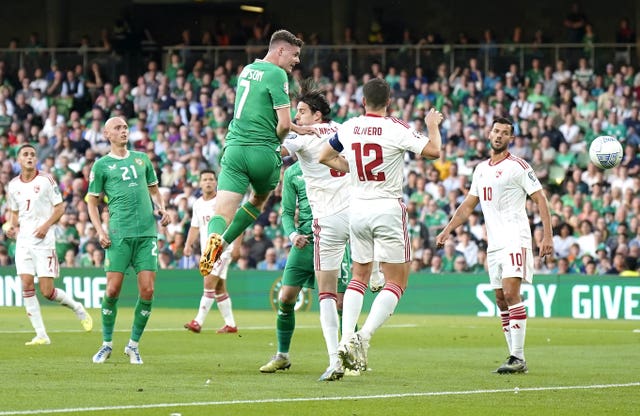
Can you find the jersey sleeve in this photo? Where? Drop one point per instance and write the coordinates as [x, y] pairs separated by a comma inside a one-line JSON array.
[[55, 197], [152, 178], [289, 199], [11, 201], [410, 139], [529, 181], [279, 89], [96, 180], [292, 143], [195, 216]]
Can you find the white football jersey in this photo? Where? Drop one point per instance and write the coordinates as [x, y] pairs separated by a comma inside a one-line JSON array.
[[502, 189], [375, 146], [201, 213], [34, 201], [327, 189]]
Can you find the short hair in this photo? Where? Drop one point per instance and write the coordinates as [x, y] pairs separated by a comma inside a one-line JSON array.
[[202, 172], [26, 145], [315, 99], [502, 120], [376, 93], [285, 36]]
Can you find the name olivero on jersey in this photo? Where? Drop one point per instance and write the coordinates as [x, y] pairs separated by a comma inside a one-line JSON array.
[[367, 131]]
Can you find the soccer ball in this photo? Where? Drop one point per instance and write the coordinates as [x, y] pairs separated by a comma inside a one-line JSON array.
[[605, 152]]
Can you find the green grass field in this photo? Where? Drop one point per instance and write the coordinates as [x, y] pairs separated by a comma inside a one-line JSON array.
[[419, 365]]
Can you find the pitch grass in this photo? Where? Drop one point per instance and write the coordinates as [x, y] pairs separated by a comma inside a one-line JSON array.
[[419, 365]]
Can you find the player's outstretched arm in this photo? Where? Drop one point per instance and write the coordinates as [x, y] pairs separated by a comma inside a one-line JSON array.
[[459, 217]]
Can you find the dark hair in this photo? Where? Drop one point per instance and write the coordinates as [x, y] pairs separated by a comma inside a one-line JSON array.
[[315, 99], [202, 172], [285, 36], [502, 120], [376, 93], [24, 146]]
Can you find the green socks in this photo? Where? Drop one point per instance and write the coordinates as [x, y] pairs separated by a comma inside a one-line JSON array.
[[285, 324], [245, 216], [109, 311], [140, 318]]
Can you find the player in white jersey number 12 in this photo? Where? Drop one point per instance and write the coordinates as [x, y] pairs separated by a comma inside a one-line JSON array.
[[372, 149]]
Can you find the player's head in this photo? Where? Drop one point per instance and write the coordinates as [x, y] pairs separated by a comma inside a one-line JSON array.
[[313, 106], [208, 181], [501, 134], [27, 157], [116, 131], [284, 49], [376, 94]]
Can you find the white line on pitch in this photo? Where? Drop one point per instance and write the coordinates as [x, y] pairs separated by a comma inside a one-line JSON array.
[[181, 329], [313, 399]]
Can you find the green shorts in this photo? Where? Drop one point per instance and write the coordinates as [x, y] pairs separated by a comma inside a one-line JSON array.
[[244, 165], [299, 269], [139, 252]]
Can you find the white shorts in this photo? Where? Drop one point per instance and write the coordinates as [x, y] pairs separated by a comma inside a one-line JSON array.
[[221, 267], [40, 262], [379, 231], [330, 237], [509, 262]]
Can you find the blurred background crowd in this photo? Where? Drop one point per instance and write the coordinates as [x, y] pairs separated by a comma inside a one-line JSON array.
[[179, 105]]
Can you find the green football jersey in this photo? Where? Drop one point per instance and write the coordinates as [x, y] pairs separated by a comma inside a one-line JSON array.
[[263, 87], [125, 183], [293, 190]]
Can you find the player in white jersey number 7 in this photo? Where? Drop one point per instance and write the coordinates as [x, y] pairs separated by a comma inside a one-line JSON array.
[[35, 205]]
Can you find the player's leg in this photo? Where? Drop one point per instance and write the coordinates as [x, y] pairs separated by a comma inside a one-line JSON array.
[[518, 266], [26, 268], [225, 306], [384, 305], [494, 267], [226, 207], [504, 316], [223, 300], [331, 235], [206, 301], [392, 248], [48, 268], [145, 263], [262, 168], [298, 273], [32, 307], [117, 260]]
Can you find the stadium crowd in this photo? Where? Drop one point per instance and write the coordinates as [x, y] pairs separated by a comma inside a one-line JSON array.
[[179, 114]]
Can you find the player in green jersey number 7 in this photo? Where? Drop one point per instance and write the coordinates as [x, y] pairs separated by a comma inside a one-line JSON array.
[[261, 120]]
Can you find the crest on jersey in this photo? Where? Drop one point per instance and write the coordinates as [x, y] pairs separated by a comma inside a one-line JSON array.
[[498, 173], [138, 161], [532, 176], [112, 167], [36, 188]]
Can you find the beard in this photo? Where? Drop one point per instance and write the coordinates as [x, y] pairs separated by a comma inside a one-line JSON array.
[[499, 149]]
